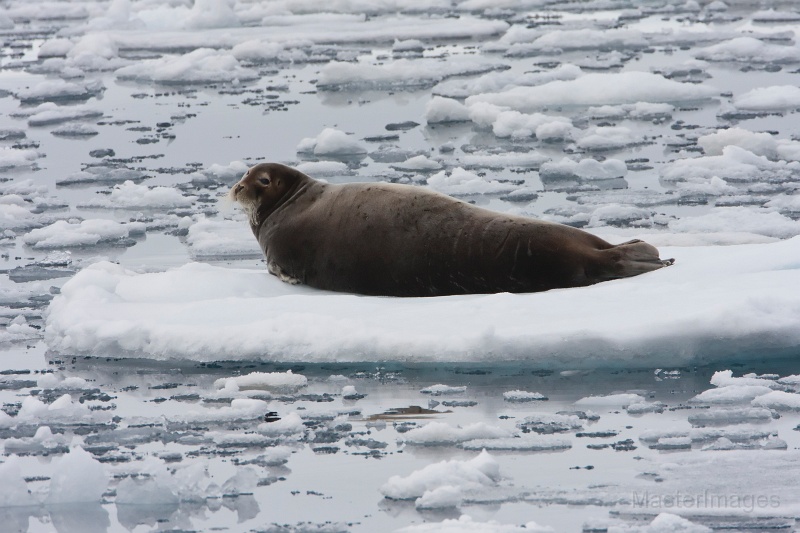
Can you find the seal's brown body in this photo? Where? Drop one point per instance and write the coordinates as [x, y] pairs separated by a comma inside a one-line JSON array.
[[399, 240]]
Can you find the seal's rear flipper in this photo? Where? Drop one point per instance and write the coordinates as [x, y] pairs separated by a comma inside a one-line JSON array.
[[633, 258]]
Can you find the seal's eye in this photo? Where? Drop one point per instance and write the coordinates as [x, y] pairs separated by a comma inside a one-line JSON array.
[[263, 181]]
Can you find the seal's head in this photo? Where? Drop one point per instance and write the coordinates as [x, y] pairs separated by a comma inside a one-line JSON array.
[[263, 188]]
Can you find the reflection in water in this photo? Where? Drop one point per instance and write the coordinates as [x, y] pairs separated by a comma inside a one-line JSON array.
[[80, 518], [130, 515]]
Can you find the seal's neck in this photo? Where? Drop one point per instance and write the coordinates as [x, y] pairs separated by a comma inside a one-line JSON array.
[[295, 191]]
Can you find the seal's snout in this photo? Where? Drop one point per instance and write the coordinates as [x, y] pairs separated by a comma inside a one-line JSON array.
[[235, 190]]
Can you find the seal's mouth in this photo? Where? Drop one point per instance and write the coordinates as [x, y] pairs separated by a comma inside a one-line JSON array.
[[235, 190], [238, 194]]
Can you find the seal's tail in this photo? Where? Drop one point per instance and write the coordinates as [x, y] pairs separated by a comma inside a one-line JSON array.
[[633, 258]]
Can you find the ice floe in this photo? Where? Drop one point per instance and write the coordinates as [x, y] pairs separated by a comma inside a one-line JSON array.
[[719, 306], [129, 195], [63, 234], [331, 142], [447, 483], [203, 65], [597, 89]]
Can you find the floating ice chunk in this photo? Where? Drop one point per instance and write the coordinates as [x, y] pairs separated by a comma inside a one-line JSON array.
[[44, 441], [748, 437], [278, 381], [402, 73], [510, 123], [62, 411], [441, 389], [780, 400], [585, 38], [221, 238], [331, 142], [441, 433], [408, 45], [461, 182], [608, 138], [290, 424], [554, 131], [598, 89], [101, 174], [762, 144], [276, 456], [499, 81], [774, 15], [13, 490], [95, 51], [27, 189], [58, 90], [673, 443], [749, 50], [265, 51], [75, 130], [12, 158], [439, 110], [206, 14], [715, 186], [323, 168], [637, 111], [472, 477], [611, 400], [444, 497], [504, 160], [420, 163], [723, 443], [92, 232], [793, 380], [724, 378], [54, 11], [525, 443], [52, 381], [521, 396], [77, 477], [766, 99], [240, 409], [252, 440], [735, 164], [465, 523], [129, 195], [738, 298], [227, 173], [731, 394], [722, 219], [18, 330], [586, 169], [663, 523], [203, 65], [736, 415], [645, 407], [57, 47], [349, 392], [48, 114], [785, 204]]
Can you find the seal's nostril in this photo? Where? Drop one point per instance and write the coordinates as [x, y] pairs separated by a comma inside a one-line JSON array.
[[239, 187]]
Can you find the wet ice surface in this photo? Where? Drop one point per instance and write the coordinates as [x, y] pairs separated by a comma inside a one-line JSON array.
[[162, 394]]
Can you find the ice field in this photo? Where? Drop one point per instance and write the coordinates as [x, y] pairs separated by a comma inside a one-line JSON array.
[[155, 377]]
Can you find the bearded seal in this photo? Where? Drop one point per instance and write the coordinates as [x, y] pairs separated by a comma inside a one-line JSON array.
[[401, 240]]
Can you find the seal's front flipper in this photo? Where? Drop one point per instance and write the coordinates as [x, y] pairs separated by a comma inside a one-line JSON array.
[[275, 270]]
